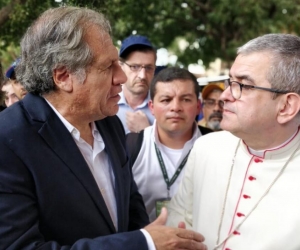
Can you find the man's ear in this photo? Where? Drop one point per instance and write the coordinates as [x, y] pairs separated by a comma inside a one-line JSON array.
[[150, 105], [289, 107], [63, 79], [198, 106]]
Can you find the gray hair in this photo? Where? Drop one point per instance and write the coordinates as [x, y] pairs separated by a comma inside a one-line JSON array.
[[284, 73], [57, 39]]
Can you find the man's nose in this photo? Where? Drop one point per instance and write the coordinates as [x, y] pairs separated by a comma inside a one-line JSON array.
[[226, 95], [142, 73], [119, 76], [175, 105]]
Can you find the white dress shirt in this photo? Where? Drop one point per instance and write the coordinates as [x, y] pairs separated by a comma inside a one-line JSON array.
[[100, 167]]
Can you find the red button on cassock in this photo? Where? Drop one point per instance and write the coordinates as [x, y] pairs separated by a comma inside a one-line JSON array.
[[251, 178], [257, 160]]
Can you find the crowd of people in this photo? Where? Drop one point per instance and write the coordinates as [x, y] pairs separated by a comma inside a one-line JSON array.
[[99, 150]]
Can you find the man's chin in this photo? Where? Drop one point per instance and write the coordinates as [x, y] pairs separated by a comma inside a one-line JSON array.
[[141, 88], [214, 125]]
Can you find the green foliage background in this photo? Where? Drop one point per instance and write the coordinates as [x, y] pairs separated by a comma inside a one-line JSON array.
[[213, 28]]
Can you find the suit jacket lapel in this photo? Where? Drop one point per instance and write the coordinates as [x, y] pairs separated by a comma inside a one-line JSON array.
[[116, 164], [62, 143]]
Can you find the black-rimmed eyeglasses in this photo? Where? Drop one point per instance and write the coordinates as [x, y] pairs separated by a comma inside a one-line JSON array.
[[211, 103], [137, 67], [237, 87]]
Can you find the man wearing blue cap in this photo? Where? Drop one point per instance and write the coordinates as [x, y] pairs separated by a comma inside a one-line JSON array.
[[137, 59]]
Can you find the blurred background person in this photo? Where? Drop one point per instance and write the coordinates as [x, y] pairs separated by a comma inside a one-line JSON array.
[[164, 147], [137, 59], [9, 93], [19, 90], [212, 107]]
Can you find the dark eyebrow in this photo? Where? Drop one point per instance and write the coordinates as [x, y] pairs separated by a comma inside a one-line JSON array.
[[187, 95], [164, 96]]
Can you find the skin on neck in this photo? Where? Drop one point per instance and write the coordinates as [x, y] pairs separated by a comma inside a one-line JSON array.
[[287, 123], [271, 139], [72, 113], [174, 140], [134, 99]]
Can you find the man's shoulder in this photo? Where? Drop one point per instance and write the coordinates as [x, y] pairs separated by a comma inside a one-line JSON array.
[[11, 118], [221, 134], [220, 138]]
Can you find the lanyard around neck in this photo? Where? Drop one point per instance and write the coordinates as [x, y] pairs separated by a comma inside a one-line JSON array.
[[164, 170]]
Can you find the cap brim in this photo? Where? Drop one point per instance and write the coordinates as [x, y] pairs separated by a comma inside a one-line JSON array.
[[129, 46], [209, 88], [9, 72]]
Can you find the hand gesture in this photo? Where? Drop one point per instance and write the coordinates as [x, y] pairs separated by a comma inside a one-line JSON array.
[[136, 121], [166, 238]]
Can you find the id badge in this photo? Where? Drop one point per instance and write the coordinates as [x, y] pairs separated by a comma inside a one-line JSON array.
[[159, 204]]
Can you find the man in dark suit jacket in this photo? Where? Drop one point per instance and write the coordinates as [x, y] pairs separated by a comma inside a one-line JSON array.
[[64, 176]]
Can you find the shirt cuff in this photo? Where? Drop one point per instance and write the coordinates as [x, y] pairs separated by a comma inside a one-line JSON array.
[[149, 240]]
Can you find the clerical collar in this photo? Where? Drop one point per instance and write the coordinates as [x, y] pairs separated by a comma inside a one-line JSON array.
[[260, 153]]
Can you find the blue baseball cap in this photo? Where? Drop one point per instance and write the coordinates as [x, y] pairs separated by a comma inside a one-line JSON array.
[[134, 40], [11, 68]]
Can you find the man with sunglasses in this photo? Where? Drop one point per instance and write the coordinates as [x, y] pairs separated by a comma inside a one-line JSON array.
[[248, 196], [137, 59], [212, 106]]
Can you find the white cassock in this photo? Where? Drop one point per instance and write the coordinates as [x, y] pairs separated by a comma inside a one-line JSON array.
[[262, 208]]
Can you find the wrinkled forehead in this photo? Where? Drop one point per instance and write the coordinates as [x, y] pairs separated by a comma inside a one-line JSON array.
[[250, 64]]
